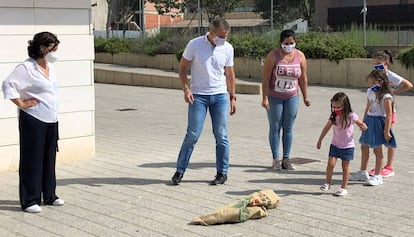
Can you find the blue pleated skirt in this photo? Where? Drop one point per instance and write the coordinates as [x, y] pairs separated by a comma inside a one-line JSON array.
[[374, 136]]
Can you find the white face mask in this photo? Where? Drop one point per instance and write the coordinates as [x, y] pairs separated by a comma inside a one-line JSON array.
[[219, 41], [288, 47], [51, 57]]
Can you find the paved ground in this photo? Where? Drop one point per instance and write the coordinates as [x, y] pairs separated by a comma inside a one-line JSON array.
[[126, 191]]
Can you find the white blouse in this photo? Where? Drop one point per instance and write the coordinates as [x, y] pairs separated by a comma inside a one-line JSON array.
[[27, 81]]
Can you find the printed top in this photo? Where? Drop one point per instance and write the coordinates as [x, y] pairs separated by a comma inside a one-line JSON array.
[[285, 75], [376, 107]]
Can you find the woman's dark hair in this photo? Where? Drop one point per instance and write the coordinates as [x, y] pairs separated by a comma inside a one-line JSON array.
[[286, 34], [384, 55], [346, 109], [41, 39]]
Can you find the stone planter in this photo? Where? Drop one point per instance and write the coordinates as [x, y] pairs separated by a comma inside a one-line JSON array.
[[350, 72]]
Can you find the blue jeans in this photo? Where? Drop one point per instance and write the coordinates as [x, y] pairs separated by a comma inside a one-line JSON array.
[[218, 105], [281, 115]]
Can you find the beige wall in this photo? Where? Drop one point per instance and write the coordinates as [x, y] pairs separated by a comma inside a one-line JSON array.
[[70, 21]]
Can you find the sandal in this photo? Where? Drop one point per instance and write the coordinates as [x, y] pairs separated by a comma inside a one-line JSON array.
[[325, 187]]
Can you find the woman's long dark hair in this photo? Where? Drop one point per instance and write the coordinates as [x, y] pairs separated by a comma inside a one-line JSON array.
[[41, 39]]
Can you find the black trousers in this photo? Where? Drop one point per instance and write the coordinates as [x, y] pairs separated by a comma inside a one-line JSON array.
[[38, 146]]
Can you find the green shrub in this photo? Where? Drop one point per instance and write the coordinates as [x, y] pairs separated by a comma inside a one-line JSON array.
[[245, 45], [406, 57], [334, 47], [314, 45], [113, 45], [249, 45], [179, 54], [162, 43]]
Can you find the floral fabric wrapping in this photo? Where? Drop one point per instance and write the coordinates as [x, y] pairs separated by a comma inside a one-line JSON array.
[[253, 206]]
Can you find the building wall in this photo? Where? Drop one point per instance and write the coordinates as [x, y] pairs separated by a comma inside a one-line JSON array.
[[154, 20], [71, 22], [321, 7]]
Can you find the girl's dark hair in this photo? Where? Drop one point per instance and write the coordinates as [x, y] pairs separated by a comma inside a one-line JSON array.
[[41, 39], [286, 34], [381, 75], [346, 109], [384, 55]]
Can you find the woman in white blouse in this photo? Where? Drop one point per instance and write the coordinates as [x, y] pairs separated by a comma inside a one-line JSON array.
[[32, 86]]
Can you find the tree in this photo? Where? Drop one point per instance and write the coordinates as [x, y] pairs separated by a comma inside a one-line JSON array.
[[212, 8], [108, 17], [217, 8], [166, 6], [128, 9], [307, 8], [125, 11], [286, 10]]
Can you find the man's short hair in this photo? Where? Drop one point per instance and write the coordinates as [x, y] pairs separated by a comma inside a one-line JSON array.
[[219, 24]]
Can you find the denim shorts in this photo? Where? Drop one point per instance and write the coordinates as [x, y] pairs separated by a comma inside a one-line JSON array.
[[344, 154]]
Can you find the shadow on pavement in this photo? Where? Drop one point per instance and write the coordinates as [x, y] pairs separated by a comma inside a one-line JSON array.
[[195, 165], [109, 181], [306, 181], [10, 205], [281, 193]]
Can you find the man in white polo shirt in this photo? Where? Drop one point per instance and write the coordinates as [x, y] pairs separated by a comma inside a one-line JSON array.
[[213, 85]]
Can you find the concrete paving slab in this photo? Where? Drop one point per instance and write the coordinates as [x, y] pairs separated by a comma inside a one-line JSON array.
[[126, 191]]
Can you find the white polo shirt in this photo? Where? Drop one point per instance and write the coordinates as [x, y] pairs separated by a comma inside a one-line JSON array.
[[207, 65], [27, 81]]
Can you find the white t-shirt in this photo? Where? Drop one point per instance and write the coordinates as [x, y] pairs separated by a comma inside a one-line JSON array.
[[207, 65], [395, 81], [376, 107], [27, 81], [394, 78]]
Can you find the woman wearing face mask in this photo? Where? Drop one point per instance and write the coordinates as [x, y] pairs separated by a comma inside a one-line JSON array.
[[32, 86], [284, 72]]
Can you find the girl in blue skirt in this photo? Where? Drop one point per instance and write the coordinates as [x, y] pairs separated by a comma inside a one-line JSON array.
[[377, 116]]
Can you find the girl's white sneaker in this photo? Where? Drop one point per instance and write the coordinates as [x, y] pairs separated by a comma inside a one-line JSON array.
[[375, 180], [341, 192]]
